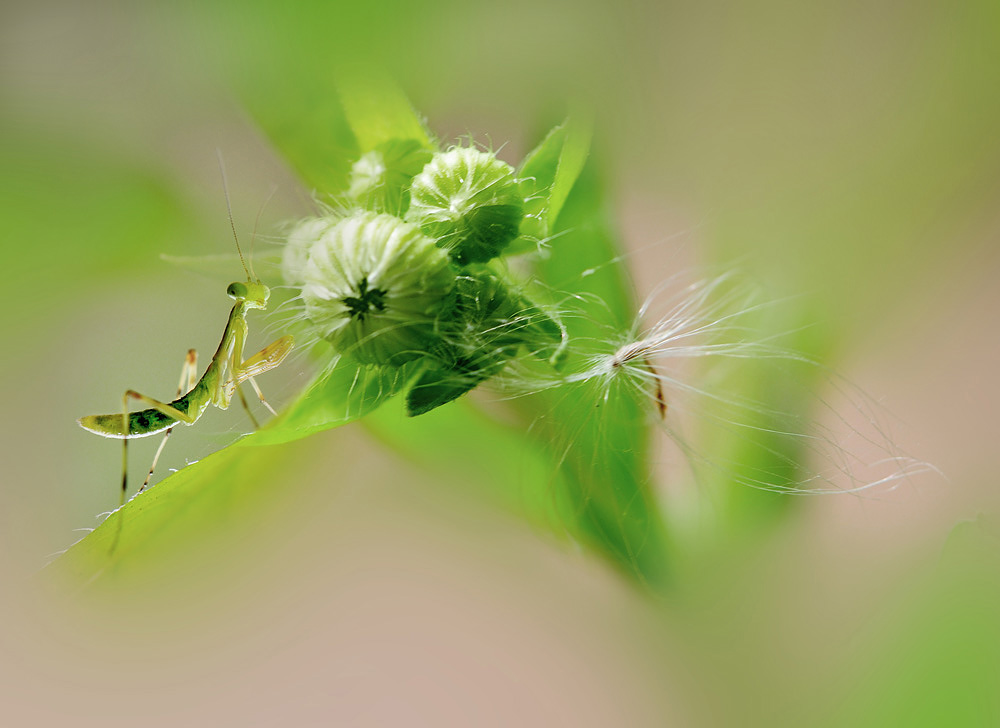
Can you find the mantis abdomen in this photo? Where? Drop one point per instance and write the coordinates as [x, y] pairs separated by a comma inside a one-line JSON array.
[[140, 424]]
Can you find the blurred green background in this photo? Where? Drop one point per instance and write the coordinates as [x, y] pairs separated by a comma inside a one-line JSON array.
[[847, 154]]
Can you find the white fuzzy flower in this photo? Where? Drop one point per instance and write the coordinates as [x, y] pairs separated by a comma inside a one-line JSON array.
[[375, 287]]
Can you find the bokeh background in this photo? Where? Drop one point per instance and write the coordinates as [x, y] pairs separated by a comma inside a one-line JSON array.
[[846, 154]]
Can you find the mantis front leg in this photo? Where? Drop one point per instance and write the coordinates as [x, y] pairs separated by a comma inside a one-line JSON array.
[[260, 396], [264, 360]]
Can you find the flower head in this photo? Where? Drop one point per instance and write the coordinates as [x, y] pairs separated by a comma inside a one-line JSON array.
[[375, 287]]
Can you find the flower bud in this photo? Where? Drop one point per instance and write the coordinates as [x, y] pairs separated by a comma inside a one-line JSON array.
[[469, 202], [487, 326], [380, 180]]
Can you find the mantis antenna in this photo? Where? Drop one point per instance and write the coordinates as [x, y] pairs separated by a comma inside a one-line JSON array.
[[229, 212]]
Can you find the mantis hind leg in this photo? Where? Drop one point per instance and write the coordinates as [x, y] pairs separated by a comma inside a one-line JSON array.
[[189, 378], [243, 401], [187, 375]]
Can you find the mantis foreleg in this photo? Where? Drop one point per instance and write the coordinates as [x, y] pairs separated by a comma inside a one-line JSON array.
[[264, 360], [260, 396]]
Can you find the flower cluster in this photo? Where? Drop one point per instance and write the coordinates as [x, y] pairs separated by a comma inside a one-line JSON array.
[[410, 270]]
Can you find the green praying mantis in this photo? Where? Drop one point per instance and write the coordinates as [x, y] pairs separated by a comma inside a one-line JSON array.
[[221, 380]]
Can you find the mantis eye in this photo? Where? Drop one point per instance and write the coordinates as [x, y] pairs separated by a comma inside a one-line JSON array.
[[237, 291]]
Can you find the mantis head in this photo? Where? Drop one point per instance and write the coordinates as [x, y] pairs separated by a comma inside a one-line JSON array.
[[253, 293]]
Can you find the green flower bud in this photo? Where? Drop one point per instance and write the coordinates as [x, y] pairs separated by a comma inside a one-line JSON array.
[[380, 180], [478, 340], [469, 201], [375, 287], [487, 326]]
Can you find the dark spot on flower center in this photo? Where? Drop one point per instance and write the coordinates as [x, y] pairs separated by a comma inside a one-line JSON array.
[[361, 305]]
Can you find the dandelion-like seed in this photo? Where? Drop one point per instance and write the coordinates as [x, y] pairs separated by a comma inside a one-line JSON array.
[[811, 450]]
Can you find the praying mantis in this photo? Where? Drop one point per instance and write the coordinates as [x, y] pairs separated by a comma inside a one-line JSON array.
[[221, 380]]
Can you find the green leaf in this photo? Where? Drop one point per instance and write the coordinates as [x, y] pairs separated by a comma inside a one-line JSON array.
[[342, 393], [437, 387], [179, 515], [553, 167], [323, 132], [466, 447], [378, 112], [310, 131]]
